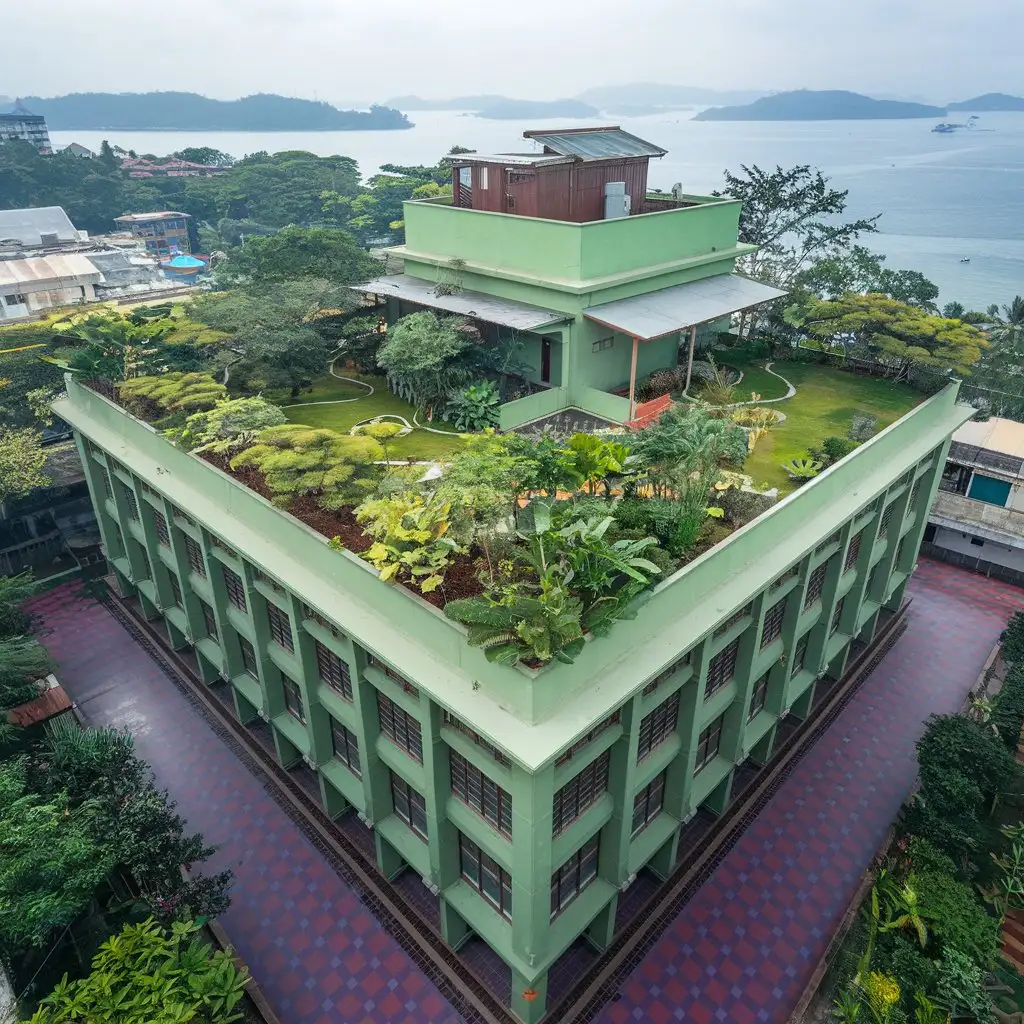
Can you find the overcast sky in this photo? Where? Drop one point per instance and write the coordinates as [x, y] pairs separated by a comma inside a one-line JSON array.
[[353, 50]]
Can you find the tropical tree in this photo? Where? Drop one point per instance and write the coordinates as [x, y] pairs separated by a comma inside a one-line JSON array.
[[794, 218], [296, 460], [52, 861], [421, 356], [113, 347], [22, 462], [858, 269], [325, 254], [1007, 329], [896, 334]]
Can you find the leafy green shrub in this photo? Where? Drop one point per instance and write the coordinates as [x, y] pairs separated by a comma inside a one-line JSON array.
[[802, 469], [410, 538], [956, 916], [1012, 639], [476, 408], [831, 450], [904, 960], [228, 425], [297, 460], [960, 986], [633, 514], [172, 392], [925, 856], [1007, 713], [146, 974]]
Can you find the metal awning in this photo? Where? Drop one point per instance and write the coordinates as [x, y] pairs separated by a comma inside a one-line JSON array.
[[672, 309], [506, 312]]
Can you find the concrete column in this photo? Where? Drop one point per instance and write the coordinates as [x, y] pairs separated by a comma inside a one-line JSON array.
[[333, 802], [601, 930], [287, 753], [455, 930], [376, 777], [532, 866], [529, 997], [442, 836], [244, 708], [613, 856]]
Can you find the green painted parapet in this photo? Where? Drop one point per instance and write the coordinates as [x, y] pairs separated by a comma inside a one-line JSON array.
[[554, 250], [602, 403], [532, 407]]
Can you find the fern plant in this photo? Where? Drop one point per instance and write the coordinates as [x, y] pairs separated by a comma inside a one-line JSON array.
[[297, 460], [802, 469]]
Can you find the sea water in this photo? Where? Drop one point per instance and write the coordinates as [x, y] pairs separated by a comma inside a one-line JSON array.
[[943, 198]]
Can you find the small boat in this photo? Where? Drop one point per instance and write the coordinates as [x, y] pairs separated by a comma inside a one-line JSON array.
[[944, 129], [966, 259]]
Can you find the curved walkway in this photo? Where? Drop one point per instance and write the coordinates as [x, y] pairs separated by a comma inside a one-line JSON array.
[[743, 949], [790, 391], [740, 951]]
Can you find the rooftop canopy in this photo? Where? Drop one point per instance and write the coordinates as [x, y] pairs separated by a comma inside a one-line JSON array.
[[28, 226], [184, 262], [684, 305], [593, 143], [506, 312]]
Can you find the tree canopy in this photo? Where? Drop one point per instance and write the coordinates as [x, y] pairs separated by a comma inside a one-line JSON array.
[[893, 332]]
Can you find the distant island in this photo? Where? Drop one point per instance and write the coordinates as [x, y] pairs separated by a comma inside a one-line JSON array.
[[990, 102], [469, 103], [634, 98], [807, 105], [638, 98], [187, 111], [515, 110]]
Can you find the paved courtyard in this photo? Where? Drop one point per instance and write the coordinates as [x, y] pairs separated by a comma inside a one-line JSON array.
[[740, 951]]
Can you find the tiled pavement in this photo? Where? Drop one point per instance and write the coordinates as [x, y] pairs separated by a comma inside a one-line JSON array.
[[317, 952], [740, 951], [744, 947]]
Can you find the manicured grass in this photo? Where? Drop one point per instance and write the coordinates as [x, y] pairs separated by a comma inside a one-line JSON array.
[[419, 445], [823, 406], [757, 378]]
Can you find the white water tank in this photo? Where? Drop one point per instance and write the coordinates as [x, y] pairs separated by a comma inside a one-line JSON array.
[[616, 202]]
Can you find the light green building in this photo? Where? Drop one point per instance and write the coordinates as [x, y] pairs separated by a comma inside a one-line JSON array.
[[526, 800]]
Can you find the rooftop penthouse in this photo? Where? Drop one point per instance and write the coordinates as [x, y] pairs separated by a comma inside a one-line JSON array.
[[604, 281]]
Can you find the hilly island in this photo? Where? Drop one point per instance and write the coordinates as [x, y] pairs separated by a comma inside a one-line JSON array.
[[187, 111], [808, 105]]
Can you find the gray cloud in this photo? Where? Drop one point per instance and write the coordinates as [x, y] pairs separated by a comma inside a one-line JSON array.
[[346, 51]]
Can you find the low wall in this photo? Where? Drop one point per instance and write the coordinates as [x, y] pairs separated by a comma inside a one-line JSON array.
[[532, 407], [601, 403]]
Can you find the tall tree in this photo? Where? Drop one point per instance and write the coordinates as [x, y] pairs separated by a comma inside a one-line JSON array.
[[294, 253], [22, 461], [794, 217], [893, 332]]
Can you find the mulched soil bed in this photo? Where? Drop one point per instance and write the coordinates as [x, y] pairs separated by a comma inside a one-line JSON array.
[[461, 578]]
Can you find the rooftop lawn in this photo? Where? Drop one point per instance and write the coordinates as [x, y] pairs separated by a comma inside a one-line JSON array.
[[823, 406], [420, 445]]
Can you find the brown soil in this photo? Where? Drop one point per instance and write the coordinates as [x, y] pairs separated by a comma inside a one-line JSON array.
[[341, 524]]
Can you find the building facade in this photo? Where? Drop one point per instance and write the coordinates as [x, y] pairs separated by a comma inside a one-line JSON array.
[[598, 281], [37, 283], [164, 233], [24, 126], [977, 520], [527, 801]]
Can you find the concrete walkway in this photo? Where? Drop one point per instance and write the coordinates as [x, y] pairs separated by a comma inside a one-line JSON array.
[[740, 951]]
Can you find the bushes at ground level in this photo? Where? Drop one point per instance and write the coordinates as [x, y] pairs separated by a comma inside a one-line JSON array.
[[929, 941]]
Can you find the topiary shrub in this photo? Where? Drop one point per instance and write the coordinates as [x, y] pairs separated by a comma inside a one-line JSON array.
[[1012, 639]]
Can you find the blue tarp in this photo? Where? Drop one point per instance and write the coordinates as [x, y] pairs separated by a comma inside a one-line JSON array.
[[184, 262]]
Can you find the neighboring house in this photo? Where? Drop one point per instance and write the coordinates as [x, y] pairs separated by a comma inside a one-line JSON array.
[[41, 227], [51, 529], [38, 283], [566, 250], [977, 520], [21, 124], [164, 233], [140, 168], [77, 149]]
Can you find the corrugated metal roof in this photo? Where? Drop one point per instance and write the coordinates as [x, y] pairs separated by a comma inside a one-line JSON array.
[[132, 218], [514, 159], [507, 312], [594, 143], [26, 226], [40, 273], [672, 309]]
